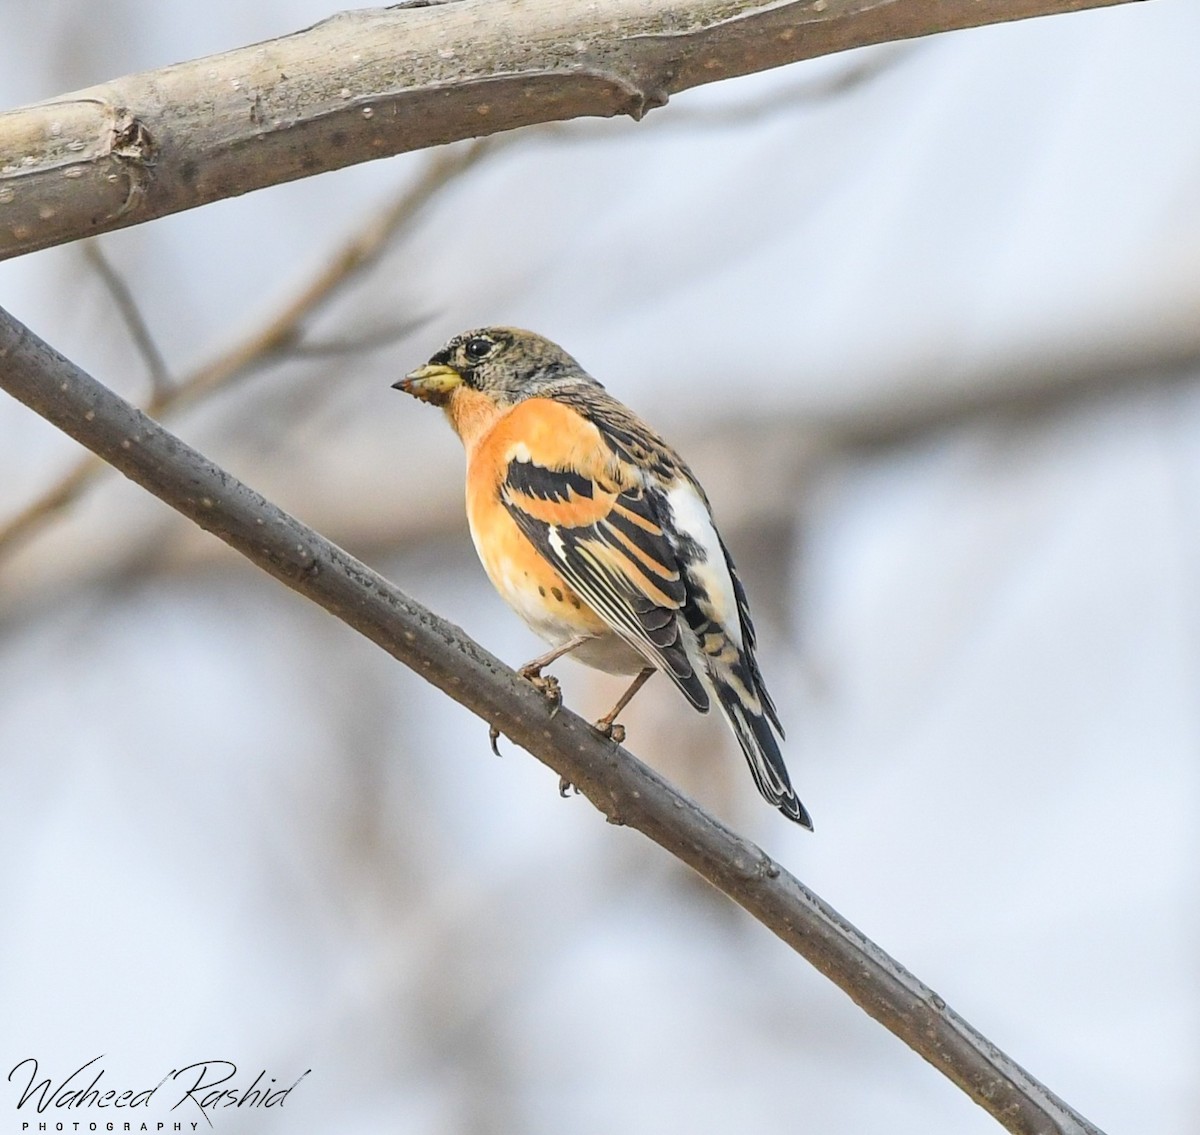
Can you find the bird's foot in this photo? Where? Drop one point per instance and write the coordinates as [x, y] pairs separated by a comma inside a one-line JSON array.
[[613, 730], [546, 684], [565, 787]]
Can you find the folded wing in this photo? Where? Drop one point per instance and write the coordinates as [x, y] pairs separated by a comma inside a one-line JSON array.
[[606, 538]]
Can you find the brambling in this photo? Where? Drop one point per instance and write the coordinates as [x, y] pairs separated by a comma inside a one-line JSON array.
[[598, 535]]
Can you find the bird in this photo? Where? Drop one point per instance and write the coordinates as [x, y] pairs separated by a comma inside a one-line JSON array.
[[596, 532]]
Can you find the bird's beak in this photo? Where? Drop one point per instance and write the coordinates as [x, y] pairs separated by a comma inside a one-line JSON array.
[[430, 383]]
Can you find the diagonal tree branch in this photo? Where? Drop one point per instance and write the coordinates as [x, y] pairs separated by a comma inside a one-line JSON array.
[[624, 789], [383, 81]]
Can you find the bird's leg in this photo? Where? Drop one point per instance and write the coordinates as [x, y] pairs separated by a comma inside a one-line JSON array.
[[532, 673], [607, 724], [532, 670]]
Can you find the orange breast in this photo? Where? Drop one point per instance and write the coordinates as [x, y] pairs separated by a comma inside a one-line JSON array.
[[524, 578]]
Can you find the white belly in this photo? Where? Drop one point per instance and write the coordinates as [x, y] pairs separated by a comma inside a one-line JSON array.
[[558, 621], [610, 653]]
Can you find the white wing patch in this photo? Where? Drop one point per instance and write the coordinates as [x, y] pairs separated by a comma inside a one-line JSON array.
[[518, 451], [693, 521]]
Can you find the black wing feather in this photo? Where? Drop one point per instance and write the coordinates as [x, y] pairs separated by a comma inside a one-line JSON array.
[[650, 627], [750, 641]]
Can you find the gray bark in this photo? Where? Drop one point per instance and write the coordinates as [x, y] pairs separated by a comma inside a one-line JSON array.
[[373, 83]]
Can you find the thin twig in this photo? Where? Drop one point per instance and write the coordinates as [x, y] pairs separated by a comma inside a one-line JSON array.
[[624, 789], [139, 329], [283, 330], [359, 344], [278, 339]]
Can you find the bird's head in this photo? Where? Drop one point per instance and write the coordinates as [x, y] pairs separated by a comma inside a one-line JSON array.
[[505, 364]]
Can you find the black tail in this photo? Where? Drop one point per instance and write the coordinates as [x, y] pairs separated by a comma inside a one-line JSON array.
[[746, 713]]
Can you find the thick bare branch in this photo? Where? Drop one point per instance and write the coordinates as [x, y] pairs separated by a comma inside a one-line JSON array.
[[383, 81], [625, 790]]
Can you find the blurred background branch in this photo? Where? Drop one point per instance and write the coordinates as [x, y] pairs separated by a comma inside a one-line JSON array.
[[135, 324], [624, 790], [279, 337]]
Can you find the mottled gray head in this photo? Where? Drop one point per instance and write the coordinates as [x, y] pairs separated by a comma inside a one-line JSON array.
[[506, 363]]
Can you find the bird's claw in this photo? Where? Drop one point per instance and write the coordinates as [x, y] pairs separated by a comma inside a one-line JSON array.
[[613, 730], [547, 685], [565, 787], [494, 739]]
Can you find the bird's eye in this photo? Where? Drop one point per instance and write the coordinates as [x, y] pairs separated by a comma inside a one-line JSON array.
[[478, 348]]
